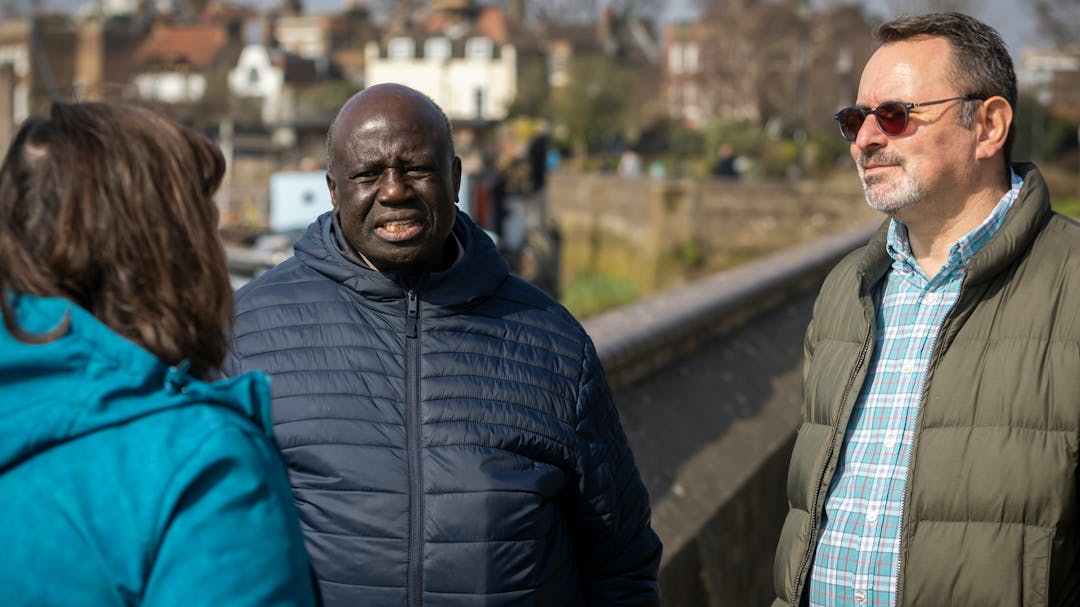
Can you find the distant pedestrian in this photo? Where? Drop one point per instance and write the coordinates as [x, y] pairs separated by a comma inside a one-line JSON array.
[[449, 432], [629, 163], [126, 476], [724, 167], [937, 462]]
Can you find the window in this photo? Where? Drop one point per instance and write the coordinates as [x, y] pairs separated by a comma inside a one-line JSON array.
[[690, 94], [400, 48], [690, 58], [478, 100], [558, 66], [675, 59], [478, 48], [844, 60], [253, 75], [437, 49]]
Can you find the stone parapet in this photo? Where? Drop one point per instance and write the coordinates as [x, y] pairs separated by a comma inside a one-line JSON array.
[[708, 382]]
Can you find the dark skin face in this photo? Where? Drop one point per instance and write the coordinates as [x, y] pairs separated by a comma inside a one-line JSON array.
[[393, 179]]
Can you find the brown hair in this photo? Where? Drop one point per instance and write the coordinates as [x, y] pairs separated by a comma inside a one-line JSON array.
[[109, 205], [980, 63]]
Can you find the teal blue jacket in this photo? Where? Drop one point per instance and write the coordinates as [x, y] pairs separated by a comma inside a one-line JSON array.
[[127, 482]]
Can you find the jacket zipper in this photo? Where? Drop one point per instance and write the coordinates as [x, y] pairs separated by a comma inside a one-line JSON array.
[[800, 581], [910, 460], [413, 436]]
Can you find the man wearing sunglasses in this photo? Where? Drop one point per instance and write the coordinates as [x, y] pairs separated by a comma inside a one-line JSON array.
[[937, 461]]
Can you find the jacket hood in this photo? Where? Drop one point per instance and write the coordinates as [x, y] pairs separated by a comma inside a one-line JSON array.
[[475, 276], [91, 379]]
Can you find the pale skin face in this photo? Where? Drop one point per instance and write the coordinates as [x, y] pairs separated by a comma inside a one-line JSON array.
[[934, 156], [938, 177], [393, 179]]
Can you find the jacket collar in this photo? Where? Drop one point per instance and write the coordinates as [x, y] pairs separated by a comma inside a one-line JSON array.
[[477, 274], [92, 379], [343, 246], [1022, 224], [1017, 231]]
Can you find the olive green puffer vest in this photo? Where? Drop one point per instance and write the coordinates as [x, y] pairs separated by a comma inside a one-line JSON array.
[[991, 516]]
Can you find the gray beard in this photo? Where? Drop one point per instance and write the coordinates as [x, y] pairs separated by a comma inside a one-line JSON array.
[[893, 201], [899, 194]]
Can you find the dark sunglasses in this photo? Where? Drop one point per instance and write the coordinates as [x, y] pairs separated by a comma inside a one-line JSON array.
[[892, 116]]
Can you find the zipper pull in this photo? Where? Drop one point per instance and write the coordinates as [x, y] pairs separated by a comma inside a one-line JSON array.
[[413, 315]]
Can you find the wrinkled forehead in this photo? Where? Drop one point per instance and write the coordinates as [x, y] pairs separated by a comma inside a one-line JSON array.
[[909, 70]]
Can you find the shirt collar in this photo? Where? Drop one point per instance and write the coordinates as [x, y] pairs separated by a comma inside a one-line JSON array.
[[898, 245]]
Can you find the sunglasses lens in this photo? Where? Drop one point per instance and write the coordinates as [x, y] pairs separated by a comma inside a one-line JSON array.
[[850, 121], [892, 117]]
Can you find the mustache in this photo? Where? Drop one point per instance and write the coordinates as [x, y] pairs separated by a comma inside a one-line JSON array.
[[879, 157]]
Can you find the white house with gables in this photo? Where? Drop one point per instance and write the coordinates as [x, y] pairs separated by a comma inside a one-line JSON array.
[[270, 76], [463, 59]]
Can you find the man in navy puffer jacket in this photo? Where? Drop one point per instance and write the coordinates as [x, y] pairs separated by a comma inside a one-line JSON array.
[[450, 437]]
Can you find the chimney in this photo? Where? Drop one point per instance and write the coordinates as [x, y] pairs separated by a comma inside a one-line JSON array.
[[451, 5], [292, 7], [603, 25], [516, 11], [7, 105], [90, 59], [267, 28]]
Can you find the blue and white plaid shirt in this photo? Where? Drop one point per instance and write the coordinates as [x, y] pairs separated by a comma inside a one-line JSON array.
[[858, 555]]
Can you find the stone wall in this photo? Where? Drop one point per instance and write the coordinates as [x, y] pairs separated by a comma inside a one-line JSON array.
[[708, 382], [664, 233]]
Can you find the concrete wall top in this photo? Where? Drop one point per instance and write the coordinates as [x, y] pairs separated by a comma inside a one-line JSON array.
[[639, 338]]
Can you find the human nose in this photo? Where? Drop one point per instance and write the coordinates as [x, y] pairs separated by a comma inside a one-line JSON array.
[[392, 186], [869, 134]]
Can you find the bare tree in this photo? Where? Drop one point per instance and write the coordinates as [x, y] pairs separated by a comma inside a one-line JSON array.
[[383, 11], [564, 10], [9, 9], [914, 7], [649, 9], [1060, 19], [575, 11], [19, 8]]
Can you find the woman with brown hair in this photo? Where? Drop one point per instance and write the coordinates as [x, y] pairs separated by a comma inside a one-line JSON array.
[[127, 475]]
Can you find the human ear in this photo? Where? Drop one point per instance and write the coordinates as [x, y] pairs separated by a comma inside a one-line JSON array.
[[455, 172], [992, 123], [332, 186]]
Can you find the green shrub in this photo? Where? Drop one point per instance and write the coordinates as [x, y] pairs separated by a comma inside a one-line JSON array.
[[1068, 206], [591, 295], [690, 253]]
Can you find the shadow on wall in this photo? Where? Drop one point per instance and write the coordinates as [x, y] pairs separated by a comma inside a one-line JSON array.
[[701, 429]]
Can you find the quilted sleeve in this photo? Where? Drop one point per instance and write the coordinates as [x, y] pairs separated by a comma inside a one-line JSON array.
[[231, 366], [618, 550]]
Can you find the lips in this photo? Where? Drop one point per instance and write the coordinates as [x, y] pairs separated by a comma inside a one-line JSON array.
[[873, 166], [878, 159], [876, 167]]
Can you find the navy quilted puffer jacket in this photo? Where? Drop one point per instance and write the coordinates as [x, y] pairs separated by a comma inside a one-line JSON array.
[[449, 442]]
